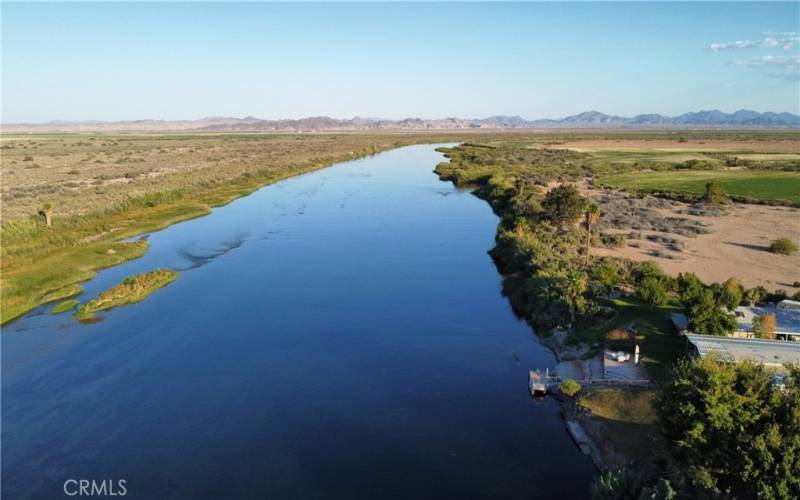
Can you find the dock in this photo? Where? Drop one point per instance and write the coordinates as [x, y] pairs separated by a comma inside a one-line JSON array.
[[539, 383]]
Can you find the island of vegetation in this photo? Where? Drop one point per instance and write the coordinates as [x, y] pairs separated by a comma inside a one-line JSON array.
[[702, 428], [133, 289], [64, 306]]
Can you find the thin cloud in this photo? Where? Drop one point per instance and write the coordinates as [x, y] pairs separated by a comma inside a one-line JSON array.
[[784, 67], [785, 40]]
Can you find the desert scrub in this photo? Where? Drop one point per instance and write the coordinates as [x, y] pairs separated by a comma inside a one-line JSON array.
[[64, 306], [783, 246], [133, 289]]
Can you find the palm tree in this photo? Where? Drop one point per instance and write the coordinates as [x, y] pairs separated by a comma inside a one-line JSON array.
[[574, 287], [592, 215]]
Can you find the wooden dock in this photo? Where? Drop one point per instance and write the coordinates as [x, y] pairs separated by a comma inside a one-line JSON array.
[[539, 383]]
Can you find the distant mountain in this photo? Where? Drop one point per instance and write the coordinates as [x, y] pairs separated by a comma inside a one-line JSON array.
[[589, 119]]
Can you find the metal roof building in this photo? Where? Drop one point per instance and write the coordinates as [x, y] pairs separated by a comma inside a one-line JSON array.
[[786, 315], [774, 353]]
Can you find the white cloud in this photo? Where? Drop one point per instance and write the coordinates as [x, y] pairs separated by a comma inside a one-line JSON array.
[[785, 40], [784, 67], [739, 44]]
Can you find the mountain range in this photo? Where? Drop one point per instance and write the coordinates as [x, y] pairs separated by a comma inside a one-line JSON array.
[[589, 119]]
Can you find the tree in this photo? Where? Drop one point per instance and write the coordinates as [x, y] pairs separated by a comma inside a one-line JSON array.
[[652, 290], [765, 326], [731, 293], [708, 317], [714, 193], [47, 214], [783, 246], [689, 288], [756, 295], [592, 215], [563, 205], [730, 431], [572, 287], [607, 274]]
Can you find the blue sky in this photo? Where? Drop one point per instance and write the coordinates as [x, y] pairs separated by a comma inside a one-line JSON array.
[[119, 61]]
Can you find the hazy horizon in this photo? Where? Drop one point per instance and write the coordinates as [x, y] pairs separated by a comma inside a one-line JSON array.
[[186, 61]]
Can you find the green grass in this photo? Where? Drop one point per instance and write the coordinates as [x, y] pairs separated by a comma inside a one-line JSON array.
[[626, 419], [133, 289], [64, 306], [660, 345], [761, 185]]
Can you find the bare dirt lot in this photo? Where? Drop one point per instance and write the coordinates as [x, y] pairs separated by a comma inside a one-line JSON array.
[[730, 243]]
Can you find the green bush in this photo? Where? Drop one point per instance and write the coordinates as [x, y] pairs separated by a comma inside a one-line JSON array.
[[570, 387], [652, 290], [619, 484], [783, 246]]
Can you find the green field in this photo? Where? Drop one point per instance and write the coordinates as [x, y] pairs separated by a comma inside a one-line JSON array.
[[768, 186]]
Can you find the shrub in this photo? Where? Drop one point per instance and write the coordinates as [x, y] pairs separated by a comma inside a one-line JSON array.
[[652, 290], [714, 193], [570, 387], [783, 246], [619, 484]]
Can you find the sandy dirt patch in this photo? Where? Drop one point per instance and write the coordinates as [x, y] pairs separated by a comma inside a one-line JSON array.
[[736, 246]]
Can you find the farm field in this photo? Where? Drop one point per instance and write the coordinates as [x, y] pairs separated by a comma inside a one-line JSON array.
[[761, 185]]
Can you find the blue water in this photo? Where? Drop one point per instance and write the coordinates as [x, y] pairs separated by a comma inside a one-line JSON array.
[[338, 335]]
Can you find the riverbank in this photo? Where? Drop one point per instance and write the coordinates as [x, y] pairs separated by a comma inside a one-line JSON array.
[[367, 286], [44, 264]]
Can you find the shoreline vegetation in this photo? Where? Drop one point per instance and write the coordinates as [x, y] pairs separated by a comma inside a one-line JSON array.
[[44, 258], [133, 289], [581, 303]]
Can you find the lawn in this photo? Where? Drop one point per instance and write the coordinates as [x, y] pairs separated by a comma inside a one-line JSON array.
[[762, 185], [659, 343], [625, 419]]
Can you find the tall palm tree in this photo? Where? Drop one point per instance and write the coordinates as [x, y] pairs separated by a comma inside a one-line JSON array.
[[574, 286], [592, 215]]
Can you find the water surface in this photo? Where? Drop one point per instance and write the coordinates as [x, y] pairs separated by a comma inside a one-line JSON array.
[[337, 335]]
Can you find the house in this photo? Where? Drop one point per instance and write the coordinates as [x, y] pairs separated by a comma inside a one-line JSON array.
[[792, 305], [787, 316], [772, 353]]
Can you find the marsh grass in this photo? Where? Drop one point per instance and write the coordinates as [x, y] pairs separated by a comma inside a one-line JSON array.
[[133, 289], [64, 306]]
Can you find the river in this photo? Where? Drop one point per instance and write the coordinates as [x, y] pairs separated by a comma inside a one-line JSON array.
[[337, 335]]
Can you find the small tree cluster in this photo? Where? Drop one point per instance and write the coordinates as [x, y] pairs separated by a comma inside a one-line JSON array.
[[730, 430]]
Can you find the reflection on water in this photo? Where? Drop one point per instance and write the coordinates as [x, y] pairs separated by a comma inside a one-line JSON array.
[[336, 335]]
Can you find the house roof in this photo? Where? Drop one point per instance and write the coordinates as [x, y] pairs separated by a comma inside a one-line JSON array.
[[768, 352], [788, 319]]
